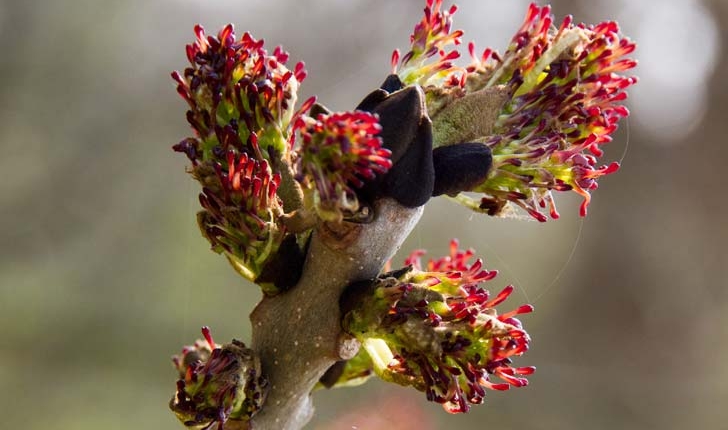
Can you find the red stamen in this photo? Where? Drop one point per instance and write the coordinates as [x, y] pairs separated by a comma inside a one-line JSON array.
[[208, 337]]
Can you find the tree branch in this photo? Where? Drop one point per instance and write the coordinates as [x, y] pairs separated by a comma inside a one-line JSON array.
[[298, 334]]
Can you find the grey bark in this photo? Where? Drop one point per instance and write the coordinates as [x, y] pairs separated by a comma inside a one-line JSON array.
[[298, 334]]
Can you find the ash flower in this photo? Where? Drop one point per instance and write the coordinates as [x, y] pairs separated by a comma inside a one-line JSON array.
[[236, 90], [566, 89], [434, 328], [217, 383], [562, 86], [429, 41], [338, 153], [241, 108], [240, 212]]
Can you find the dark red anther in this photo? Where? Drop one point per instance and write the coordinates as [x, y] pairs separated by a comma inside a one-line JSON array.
[[208, 337], [300, 71], [523, 309], [395, 61]]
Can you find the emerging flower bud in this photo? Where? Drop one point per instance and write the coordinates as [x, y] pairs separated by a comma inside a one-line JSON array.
[[338, 153], [241, 107], [436, 329], [217, 383], [547, 105], [235, 90], [429, 40], [565, 91], [241, 210]]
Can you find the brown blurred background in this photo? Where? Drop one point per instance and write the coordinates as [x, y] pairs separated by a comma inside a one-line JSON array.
[[103, 274]]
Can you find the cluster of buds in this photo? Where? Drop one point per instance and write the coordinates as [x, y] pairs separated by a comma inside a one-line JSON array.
[[235, 91], [241, 210], [338, 153], [246, 156], [428, 62], [434, 328], [565, 87], [241, 107], [217, 383], [562, 90]]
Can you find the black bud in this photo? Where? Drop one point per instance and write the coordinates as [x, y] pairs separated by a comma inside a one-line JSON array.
[[460, 167], [407, 133], [411, 180], [372, 100], [333, 374], [392, 84], [318, 109], [284, 269], [354, 294]]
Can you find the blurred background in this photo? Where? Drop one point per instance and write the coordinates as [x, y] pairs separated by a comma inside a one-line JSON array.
[[103, 274]]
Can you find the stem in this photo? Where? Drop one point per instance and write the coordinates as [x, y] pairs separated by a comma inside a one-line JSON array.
[[297, 334]]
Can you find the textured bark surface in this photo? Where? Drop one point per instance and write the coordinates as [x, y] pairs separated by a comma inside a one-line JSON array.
[[298, 334]]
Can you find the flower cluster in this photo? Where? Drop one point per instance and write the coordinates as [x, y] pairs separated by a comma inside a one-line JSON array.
[[240, 213], [245, 153], [241, 107], [435, 328], [564, 88], [237, 91], [217, 383], [338, 153], [428, 62]]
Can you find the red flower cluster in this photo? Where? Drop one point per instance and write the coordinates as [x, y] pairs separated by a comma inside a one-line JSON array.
[[566, 93], [236, 90], [217, 383], [338, 153], [241, 101], [442, 333], [430, 38], [240, 214], [565, 88]]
